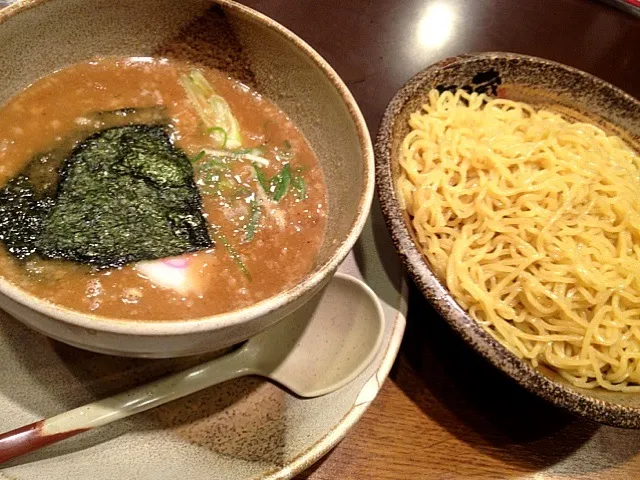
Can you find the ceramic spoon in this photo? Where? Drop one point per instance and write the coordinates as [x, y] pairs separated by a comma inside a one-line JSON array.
[[314, 351]]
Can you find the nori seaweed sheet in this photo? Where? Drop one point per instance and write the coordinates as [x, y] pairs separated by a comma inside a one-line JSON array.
[[125, 194], [26, 201]]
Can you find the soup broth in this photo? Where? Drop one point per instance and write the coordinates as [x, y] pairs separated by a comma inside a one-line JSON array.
[[265, 202]]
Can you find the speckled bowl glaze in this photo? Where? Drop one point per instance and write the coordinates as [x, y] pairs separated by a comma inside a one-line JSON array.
[[40, 36], [563, 89], [244, 429]]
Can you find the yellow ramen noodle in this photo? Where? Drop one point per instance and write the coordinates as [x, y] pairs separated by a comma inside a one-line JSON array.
[[533, 224]]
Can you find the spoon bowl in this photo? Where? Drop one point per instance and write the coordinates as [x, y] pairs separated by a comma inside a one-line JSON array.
[[325, 344], [314, 351]]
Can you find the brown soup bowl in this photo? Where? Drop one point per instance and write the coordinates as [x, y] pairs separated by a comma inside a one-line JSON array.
[[38, 37], [557, 87]]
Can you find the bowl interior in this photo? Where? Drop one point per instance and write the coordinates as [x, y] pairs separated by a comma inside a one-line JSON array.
[[223, 35], [542, 83]]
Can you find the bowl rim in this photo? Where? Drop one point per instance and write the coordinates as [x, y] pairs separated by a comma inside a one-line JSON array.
[[517, 369], [154, 328]]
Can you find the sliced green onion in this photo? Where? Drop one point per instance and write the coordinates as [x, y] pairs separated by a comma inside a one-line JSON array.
[[285, 153], [258, 151], [282, 182], [298, 183], [219, 133], [234, 154], [196, 158], [213, 164], [235, 256], [255, 158], [261, 179], [278, 186], [254, 219], [211, 107], [224, 184], [241, 192], [212, 175]]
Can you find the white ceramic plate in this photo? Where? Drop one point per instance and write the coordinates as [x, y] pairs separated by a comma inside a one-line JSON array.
[[243, 429]]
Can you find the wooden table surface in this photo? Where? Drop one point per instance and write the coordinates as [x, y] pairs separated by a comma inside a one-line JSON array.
[[444, 413]]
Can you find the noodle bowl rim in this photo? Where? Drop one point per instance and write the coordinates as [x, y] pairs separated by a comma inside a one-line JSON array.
[[576, 400]]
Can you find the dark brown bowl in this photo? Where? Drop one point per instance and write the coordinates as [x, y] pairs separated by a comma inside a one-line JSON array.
[[557, 87]]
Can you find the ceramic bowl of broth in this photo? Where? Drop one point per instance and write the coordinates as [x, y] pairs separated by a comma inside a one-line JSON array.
[[174, 179]]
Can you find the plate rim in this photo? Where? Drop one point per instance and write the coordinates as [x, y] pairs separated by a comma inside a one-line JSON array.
[[353, 415]]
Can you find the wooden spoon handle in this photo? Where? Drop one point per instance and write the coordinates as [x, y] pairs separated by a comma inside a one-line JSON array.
[[29, 438], [45, 432]]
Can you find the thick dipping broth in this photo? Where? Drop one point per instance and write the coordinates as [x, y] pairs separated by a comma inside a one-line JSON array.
[[262, 190]]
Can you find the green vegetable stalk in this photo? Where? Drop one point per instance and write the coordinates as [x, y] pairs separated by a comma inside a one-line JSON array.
[[214, 110]]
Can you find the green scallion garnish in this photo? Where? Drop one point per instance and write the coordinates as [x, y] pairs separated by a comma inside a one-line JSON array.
[[257, 151], [277, 187], [235, 256], [300, 186], [196, 158], [281, 183], [254, 219], [213, 172], [213, 164], [220, 134], [213, 110], [262, 180]]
